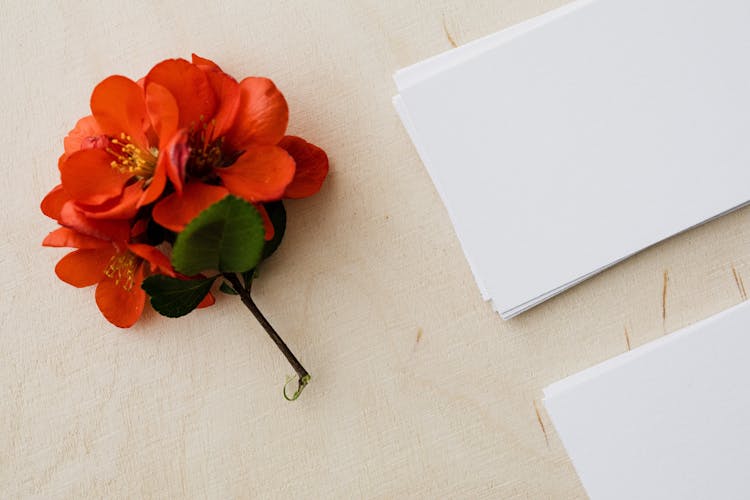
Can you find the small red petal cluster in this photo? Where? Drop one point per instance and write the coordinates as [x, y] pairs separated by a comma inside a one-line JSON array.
[[159, 151]]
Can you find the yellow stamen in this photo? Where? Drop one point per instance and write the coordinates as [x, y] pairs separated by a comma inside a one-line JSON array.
[[122, 268], [130, 159]]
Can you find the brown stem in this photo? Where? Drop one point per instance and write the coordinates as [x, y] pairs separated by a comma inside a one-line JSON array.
[[244, 292]]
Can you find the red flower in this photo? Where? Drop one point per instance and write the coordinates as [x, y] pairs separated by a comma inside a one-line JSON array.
[[111, 157], [236, 146], [164, 149], [117, 271]]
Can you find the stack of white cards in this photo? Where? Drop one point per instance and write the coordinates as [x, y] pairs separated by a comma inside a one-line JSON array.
[[668, 420], [566, 144]]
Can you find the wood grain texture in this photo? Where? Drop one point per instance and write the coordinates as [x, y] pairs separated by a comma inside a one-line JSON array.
[[419, 389]]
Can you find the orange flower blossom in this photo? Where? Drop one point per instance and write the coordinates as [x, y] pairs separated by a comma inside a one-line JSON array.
[[160, 150]]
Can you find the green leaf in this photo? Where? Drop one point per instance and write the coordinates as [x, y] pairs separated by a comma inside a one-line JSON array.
[[277, 214], [227, 236], [227, 288], [173, 297]]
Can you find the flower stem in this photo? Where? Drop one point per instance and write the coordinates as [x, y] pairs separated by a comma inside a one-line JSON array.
[[244, 293]]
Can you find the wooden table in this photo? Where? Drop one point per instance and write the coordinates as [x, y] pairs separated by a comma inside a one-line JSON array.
[[419, 389]]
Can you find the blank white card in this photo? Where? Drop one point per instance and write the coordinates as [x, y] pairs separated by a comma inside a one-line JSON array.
[[570, 142], [669, 420]]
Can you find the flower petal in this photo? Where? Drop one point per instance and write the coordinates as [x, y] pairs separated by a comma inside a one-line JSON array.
[[156, 259], [157, 184], [227, 90], [88, 177], [124, 207], [173, 148], [54, 201], [262, 173], [116, 231], [87, 134], [262, 116], [119, 106], [84, 129], [84, 267], [190, 88], [207, 301], [175, 154], [174, 212], [205, 64], [267, 224], [162, 111], [65, 237], [311, 167], [121, 307]]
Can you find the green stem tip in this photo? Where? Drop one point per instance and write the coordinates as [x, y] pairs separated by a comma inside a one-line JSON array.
[[301, 384], [244, 293]]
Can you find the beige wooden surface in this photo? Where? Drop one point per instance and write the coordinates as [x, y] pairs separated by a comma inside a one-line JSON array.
[[419, 389]]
